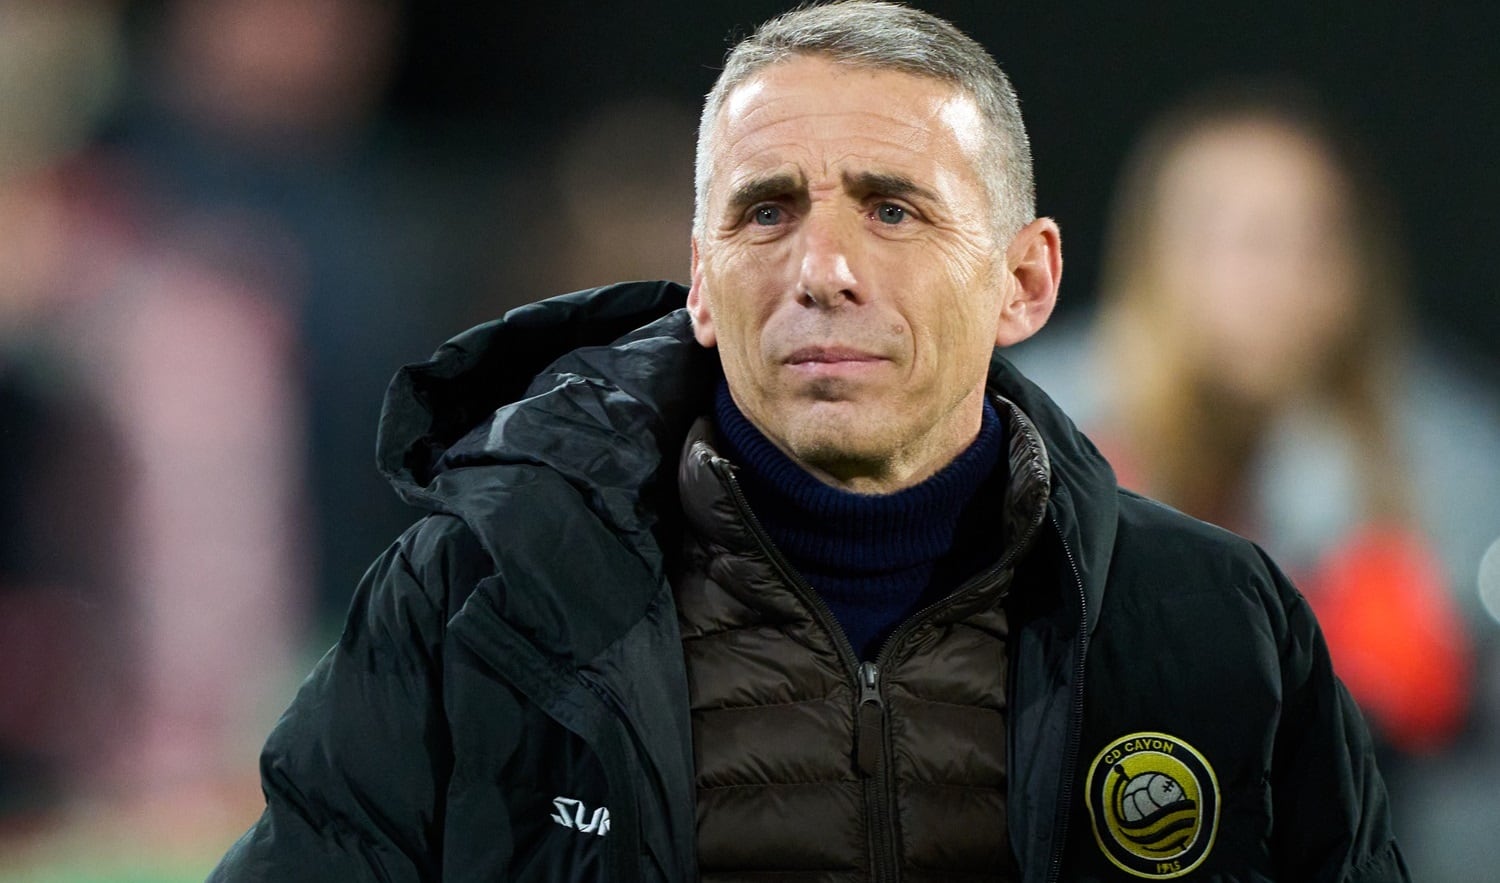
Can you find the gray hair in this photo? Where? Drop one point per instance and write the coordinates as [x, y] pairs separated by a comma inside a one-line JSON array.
[[887, 36]]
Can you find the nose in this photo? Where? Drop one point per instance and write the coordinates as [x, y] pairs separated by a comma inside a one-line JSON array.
[[827, 279]]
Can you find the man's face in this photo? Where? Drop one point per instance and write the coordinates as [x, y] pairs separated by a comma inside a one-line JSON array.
[[848, 270]]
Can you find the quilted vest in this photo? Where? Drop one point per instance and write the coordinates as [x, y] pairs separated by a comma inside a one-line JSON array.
[[812, 765]]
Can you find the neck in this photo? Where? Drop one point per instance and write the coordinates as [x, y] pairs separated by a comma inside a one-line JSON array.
[[873, 558], [904, 468], [799, 497]]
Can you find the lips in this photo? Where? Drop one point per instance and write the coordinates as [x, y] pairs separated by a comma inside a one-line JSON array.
[[830, 355]]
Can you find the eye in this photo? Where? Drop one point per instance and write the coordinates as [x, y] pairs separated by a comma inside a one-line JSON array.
[[890, 213], [767, 215]]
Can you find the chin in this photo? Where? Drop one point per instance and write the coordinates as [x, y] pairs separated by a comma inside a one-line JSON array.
[[833, 445]]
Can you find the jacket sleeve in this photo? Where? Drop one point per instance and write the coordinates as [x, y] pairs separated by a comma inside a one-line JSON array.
[[1331, 818], [355, 771]]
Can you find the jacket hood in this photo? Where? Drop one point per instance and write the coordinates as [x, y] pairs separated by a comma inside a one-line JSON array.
[[617, 366], [431, 407]]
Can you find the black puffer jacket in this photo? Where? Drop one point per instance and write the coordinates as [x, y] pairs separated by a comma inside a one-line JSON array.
[[508, 699]]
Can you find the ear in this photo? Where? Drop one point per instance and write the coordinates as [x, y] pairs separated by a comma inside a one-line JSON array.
[[1034, 263], [697, 305]]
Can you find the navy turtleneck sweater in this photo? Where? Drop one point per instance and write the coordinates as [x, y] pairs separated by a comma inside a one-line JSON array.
[[875, 559]]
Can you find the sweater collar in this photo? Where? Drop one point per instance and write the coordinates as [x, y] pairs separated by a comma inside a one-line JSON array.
[[830, 529]]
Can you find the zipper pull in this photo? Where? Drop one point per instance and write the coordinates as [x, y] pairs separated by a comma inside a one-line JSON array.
[[868, 743]]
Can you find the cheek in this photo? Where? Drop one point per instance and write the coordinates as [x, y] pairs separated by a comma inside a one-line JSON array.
[[952, 345], [971, 315], [741, 319], [737, 341]]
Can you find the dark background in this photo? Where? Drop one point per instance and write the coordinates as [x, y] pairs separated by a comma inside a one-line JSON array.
[[1418, 87]]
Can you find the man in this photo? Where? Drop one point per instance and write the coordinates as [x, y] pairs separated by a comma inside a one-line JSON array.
[[804, 581]]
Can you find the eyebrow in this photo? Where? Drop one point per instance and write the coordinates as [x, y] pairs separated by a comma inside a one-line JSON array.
[[886, 184], [762, 189], [861, 184]]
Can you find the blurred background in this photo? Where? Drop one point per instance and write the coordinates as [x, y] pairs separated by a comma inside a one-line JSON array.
[[225, 223]]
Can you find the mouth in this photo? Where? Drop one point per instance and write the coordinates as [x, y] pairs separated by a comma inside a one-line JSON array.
[[831, 355], [821, 365]]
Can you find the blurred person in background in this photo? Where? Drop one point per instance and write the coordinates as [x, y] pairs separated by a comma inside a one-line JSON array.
[[1251, 365], [154, 580], [61, 458], [199, 309], [265, 118]]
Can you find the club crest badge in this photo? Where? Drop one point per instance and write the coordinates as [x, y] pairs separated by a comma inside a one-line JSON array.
[[1154, 803]]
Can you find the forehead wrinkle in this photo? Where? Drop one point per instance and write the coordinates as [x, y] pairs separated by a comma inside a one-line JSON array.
[[741, 96], [829, 125], [749, 122], [823, 148], [819, 157]]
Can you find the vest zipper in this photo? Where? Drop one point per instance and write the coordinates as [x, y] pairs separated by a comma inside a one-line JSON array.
[[871, 754], [871, 750], [869, 712], [1075, 730], [879, 791]]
